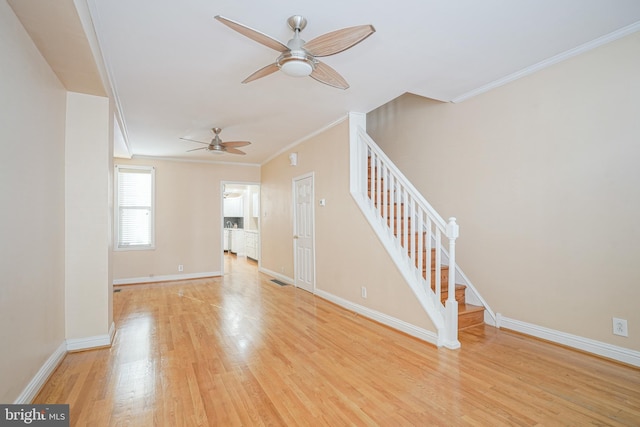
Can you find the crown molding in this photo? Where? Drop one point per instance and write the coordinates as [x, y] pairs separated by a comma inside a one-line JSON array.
[[625, 31]]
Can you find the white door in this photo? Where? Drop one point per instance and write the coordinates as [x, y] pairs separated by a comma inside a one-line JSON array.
[[303, 228]]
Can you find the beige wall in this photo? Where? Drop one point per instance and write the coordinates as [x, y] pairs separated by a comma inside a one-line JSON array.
[[88, 153], [543, 176], [32, 132], [348, 253], [188, 219]]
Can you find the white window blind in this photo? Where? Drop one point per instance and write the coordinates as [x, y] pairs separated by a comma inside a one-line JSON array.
[[134, 207]]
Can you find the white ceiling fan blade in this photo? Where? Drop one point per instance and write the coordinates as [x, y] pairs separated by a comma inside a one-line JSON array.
[[255, 35], [193, 140], [338, 41], [235, 143], [234, 151], [327, 75], [262, 72], [195, 149]]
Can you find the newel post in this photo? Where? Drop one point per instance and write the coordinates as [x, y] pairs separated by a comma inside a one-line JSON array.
[[451, 307]]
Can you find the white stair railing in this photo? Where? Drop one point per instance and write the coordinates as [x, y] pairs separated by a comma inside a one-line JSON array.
[[410, 227]]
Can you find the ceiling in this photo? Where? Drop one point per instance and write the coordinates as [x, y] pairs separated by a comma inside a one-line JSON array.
[[173, 71]]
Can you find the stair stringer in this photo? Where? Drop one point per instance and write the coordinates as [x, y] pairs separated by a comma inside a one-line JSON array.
[[472, 294], [425, 296]]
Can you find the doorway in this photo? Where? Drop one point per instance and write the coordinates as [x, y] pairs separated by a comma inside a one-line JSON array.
[[304, 233], [240, 221]]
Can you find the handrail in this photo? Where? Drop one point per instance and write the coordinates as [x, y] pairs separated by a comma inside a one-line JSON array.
[[413, 228], [371, 144]]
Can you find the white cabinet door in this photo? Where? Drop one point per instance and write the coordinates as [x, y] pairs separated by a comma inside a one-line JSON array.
[[237, 242], [225, 240], [233, 207], [227, 207], [248, 241], [251, 243]]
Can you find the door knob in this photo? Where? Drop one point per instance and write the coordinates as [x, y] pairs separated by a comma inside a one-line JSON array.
[[295, 236]]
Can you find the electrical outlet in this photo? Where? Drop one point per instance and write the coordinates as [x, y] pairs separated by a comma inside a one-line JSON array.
[[364, 292], [620, 327], [180, 267]]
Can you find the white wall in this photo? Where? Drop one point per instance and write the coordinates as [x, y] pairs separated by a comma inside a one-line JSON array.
[[543, 177], [88, 153], [32, 260], [348, 252]]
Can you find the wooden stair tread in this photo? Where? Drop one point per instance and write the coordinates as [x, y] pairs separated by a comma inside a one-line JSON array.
[[469, 308], [444, 287], [470, 315]]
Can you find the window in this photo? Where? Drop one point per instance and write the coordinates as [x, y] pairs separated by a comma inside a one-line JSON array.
[[134, 207]]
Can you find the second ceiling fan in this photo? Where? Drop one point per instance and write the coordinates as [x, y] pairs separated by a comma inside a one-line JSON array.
[[298, 58], [217, 146]]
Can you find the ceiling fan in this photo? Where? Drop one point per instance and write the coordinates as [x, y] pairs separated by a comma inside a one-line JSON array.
[[298, 58], [217, 146]]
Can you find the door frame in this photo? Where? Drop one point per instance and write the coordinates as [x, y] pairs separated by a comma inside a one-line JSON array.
[[313, 226], [222, 187]]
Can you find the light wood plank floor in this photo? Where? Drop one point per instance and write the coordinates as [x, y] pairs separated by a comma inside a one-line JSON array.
[[241, 350]]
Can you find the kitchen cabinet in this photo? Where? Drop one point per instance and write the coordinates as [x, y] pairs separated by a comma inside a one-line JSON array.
[[237, 244], [225, 240], [233, 207], [252, 244]]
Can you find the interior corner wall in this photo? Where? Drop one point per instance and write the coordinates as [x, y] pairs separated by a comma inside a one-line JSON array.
[[88, 160], [348, 252], [32, 120], [543, 176]]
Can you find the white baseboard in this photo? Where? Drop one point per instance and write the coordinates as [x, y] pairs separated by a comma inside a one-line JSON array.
[[599, 348], [50, 365], [166, 278], [392, 322], [43, 374], [79, 344], [278, 276]]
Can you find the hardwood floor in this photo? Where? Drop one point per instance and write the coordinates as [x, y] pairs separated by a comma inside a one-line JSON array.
[[241, 350]]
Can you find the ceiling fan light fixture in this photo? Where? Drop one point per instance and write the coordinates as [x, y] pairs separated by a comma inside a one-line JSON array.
[[296, 68], [295, 63]]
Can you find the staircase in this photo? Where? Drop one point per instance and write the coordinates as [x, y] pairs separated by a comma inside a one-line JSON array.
[[468, 315], [418, 240]]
